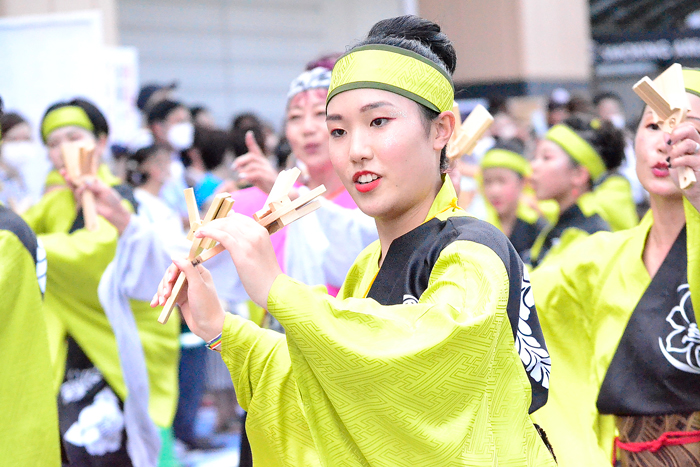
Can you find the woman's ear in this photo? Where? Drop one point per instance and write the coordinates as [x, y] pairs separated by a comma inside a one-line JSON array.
[[444, 125], [581, 178]]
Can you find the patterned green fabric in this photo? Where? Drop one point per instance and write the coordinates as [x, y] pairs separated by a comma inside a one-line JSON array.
[[28, 417], [585, 300], [396, 70], [354, 383]]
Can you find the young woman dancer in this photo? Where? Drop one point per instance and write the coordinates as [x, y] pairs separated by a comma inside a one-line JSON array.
[[504, 173], [618, 317], [571, 158], [418, 359], [85, 342]]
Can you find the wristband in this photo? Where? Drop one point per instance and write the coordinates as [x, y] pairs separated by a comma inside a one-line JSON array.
[[215, 344]]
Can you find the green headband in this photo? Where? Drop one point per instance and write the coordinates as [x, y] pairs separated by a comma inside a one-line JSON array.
[[396, 70], [70, 115], [578, 148], [691, 78], [507, 159]]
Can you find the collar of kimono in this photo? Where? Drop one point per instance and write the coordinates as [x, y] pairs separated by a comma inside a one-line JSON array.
[[69, 115], [445, 200], [396, 70], [691, 78], [508, 159], [578, 148]]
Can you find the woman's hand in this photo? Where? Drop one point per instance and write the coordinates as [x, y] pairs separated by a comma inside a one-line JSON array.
[[250, 248], [107, 200], [254, 167], [198, 299], [685, 152]]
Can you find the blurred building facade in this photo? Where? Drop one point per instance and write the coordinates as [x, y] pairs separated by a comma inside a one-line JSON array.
[[237, 55]]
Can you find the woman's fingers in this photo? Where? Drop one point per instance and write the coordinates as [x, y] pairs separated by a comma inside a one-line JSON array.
[[252, 145]]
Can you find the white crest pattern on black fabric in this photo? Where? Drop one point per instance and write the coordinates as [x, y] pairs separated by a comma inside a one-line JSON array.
[[317, 78], [534, 356], [682, 345], [409, 299]]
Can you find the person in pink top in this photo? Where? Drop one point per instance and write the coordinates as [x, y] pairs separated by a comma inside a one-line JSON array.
[[318, 249]]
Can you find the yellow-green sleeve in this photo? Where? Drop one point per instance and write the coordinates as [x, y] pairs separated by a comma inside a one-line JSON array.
[[413, 384], [562, 288], [260, 367], [28, 414], [614, 202]]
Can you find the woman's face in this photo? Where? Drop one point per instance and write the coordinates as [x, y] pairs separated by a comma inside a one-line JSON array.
[[306, 129], [381, 151], [502, 188], [651, 150], [553, 172], [158, 167], [67, 134]]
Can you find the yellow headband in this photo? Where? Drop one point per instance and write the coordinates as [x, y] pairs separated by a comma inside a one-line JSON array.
[[70, 115], [691, 78], [578, 148], [396, 70], [507, 159]]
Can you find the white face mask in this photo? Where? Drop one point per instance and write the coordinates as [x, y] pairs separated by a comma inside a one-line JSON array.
[[618, 121], [181, 136], [19, 154]]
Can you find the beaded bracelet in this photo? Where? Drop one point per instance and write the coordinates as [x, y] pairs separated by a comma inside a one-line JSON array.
[[215, 344]]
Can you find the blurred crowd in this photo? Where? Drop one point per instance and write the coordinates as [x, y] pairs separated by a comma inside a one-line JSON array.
[[530, 175]]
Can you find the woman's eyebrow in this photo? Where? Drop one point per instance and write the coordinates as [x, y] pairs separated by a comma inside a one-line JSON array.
[[374, 105], [364, 108]]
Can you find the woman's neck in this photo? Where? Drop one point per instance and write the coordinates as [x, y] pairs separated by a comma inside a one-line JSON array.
[[389, 230], [669, 219], [153, 187], [327, 178], [507, 221], [567, 200]]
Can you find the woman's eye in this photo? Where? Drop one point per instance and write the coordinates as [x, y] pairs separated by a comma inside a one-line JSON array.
[[337, 133], [653, 126], [379, 121]]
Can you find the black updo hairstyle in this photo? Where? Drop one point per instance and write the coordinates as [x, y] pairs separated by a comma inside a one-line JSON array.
[[100, 127], [425, 38], [605, 138], [135, 174]]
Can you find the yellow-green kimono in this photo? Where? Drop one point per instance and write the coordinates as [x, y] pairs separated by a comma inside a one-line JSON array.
[[439, 366], [615, 204], [77, 259], [28, 419], [586, 302], [575, 223]]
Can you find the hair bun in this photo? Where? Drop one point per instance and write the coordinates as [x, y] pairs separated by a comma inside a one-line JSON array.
[[404, 30]]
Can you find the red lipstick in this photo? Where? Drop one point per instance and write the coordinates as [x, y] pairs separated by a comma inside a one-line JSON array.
[[366, 181]]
